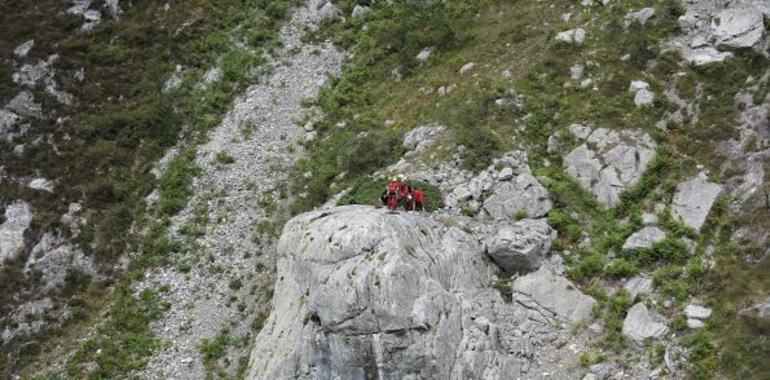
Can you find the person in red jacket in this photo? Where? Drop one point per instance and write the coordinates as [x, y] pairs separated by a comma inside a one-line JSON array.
[[419, 200], [391, 193]]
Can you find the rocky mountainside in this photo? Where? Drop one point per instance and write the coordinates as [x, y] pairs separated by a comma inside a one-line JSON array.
[[189, 189]]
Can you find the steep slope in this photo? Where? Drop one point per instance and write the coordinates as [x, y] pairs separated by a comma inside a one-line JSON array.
[[213, 298]]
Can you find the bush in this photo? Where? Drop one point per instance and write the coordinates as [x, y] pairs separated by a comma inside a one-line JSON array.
[[591, 265], [620, 268]]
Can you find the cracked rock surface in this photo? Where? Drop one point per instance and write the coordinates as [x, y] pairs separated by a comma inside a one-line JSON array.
[[364, 293], [607, 161]]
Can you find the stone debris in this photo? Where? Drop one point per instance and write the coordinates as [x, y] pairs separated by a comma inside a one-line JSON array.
[[693, 200], [608, 161], [644, 238], [641, 324], [200, 300]]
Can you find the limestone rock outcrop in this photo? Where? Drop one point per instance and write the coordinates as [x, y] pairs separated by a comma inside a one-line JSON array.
[[608, 161], [363, 293]]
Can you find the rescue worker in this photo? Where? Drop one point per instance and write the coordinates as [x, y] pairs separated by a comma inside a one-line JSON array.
[[391, 190]]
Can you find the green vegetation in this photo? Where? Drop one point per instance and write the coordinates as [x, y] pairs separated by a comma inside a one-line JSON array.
[[518, 38], [503, 285], [124, 340], [122, 123]]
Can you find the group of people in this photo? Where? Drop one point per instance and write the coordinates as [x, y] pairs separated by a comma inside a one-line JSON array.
[[398, 193]]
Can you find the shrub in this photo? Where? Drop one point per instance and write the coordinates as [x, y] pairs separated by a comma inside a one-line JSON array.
[[620, 268], [591, 265], [503, 285]]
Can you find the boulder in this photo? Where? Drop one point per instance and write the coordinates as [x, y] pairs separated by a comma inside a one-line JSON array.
[[644, 238], [329, 11], [706, 55], [638, 286], [556, 294], [642, 94], [521, 246], [697, 312], [735, 28], [363, 293], [18, 216], [467, 67], [41, 184], [360, 12], [640, 324], [521, 194], [425, 54], [573, 36], [24, 104], [693, 200], [608, 161], [639, 17], [22, 50]]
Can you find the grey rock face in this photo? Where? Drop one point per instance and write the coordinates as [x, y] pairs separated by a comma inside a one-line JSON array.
[[608, 161], [644, 238], [521, 246], [522, 193], [573, 36], [738, 28], [693, 200], [363, 293], [640, 324], [556, 294], [18, 215]]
